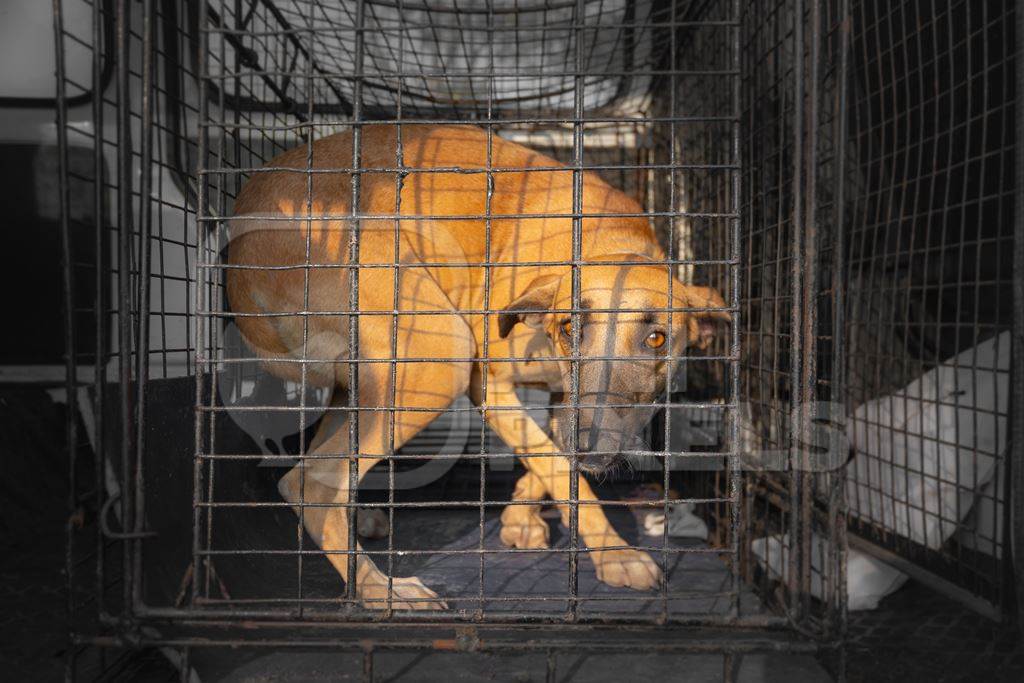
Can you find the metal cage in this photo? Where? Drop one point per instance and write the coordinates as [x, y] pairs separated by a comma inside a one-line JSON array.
[[762, 160], [930, 171]]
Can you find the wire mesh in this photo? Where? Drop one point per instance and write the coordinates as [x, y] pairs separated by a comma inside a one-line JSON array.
[[791, 302], [530, 100], [931, 185], [715, 120], [130, 269]]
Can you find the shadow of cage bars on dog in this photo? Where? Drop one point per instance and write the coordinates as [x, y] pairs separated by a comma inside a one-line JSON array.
[[477, 147]]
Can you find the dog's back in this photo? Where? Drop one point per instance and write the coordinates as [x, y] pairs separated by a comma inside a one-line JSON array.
[[441, 174]]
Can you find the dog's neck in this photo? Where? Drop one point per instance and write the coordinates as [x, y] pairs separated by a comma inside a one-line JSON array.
[[630, 240], [617, 256]]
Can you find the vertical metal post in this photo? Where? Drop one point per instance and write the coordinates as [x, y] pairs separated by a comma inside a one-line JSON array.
[[353, 325], [101, 284], [396, 283], [213, 302], [809, 309], [488, 273], [1016, 456], [574, 381], [124, 279], [731, 667], [796, 291], [202, 236], [367, 676], [837, 500], [672, 253], [304, 362], [68, 273], [735, 481], [142, 325]]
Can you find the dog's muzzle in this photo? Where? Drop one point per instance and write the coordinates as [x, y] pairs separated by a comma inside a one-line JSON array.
[[595, 452], [596, 463]]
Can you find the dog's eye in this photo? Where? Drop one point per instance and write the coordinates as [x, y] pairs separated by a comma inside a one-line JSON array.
[[655, 340], [566, 328]]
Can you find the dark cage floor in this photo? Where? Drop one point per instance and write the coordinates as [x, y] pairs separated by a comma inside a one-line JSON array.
[[916, 635], [698, 578], [442, 544]]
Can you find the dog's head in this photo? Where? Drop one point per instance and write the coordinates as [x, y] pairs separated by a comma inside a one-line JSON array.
[[629, 327]]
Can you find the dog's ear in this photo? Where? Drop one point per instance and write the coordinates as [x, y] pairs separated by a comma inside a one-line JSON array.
[[704, 326], [538, 295]]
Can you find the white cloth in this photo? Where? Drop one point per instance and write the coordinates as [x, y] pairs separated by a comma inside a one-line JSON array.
[[982, 530], [868, 580], [682, 522], [922, 453]]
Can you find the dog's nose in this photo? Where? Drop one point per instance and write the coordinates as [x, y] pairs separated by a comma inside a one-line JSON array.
[[584, 440], [585, 460]]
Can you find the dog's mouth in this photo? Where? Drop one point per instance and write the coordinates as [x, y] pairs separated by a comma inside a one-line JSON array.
[[587, 465], [605, 456]]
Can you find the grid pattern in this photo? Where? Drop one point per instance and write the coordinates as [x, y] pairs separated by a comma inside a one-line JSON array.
[[791, 297], [523, 102], [524, 49], [931, 186], [129, 269], [690, 109]]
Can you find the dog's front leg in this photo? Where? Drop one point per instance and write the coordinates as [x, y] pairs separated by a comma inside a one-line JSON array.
[[616, 563], [521, 523]]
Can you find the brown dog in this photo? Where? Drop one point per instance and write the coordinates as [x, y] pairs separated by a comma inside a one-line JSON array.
[[422, 251]]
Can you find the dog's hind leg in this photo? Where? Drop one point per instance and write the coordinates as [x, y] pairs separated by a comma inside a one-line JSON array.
[[370, 522], [319, 489], [398, 395]]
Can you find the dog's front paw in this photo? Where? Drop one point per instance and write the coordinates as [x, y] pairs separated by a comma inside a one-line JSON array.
[[523, 527], [406, 593], [627, 568]]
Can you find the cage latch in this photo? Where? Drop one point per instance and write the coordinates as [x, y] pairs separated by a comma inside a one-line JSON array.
[[118, 535]]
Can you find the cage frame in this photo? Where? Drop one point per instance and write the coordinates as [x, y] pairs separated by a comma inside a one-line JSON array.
[[950, 567], [488, 636]]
